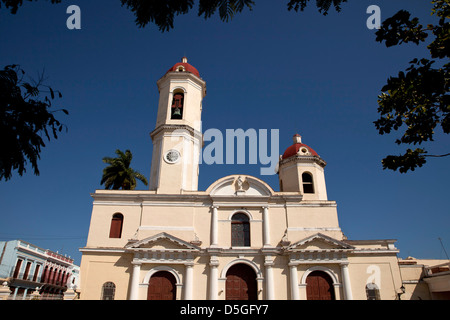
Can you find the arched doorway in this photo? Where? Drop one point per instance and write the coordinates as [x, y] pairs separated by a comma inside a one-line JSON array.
[[319, 286], [241, 283], [162, 286]]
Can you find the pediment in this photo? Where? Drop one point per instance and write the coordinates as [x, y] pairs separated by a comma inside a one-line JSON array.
[[163, 242], [319, 242], [240, 185]]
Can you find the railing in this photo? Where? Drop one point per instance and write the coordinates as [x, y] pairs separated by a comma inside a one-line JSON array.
[[36, 297], [40, 279], [30, 277]]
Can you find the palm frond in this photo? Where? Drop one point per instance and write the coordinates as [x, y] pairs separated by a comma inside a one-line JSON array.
[[118, 174]]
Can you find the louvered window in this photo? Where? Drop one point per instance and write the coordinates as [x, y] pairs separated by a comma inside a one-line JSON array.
[[308, 186], [240, 230]]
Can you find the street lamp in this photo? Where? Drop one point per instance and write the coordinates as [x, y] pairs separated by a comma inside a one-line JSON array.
[[403, 290]]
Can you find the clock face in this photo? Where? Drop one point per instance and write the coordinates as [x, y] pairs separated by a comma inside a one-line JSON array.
[[172, 156]]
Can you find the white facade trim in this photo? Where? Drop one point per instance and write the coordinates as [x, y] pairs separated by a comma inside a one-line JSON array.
[[156, 269], [244, 211], [167, 228], [176, 88], [313, 229], [254, 266], [328, 271]]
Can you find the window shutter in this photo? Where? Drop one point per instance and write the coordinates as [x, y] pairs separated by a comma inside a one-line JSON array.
[[116, 226]]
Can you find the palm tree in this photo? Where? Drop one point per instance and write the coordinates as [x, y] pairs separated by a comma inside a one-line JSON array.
[[119, 174]]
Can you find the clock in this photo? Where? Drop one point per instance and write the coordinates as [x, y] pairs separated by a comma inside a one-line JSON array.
[[172, 156]]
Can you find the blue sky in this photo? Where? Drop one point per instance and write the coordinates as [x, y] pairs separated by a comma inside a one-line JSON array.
[[266, 69]]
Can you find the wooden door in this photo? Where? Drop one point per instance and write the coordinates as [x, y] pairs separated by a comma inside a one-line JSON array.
[[241, 283], [319, 286], [162, 286]]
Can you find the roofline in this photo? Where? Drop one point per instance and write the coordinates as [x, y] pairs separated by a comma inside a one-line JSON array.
[[375, 241]]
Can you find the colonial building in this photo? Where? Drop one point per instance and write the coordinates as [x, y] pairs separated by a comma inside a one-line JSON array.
[[30, 272], [239, 239]]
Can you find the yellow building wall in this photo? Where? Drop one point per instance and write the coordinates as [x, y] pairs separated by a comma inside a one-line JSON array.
[[189, 216], [97, 269]]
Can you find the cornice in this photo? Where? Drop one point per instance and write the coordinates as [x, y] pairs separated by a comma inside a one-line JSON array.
[[172, 127], [183, 245], [182, 76], [103, 250], [304, 159], [201, 198]]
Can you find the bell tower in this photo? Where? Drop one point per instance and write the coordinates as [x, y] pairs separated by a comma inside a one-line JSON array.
[[301, 169], [177, 138]]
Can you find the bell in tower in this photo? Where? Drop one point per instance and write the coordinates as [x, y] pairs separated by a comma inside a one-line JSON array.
[[177, 106], [177, 138]]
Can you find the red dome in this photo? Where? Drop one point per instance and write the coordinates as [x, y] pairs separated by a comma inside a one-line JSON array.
[[293, 150], [186, 67]]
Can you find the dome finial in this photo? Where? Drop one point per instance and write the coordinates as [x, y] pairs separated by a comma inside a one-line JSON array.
[[184, 59], [297, 138]]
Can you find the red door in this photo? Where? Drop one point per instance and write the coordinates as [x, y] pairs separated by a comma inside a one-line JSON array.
[[162, 286], [319, 286], [241, 283]]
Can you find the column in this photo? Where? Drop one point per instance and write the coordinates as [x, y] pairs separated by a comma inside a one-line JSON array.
[[266, 228], [346, 281], [270, 289], [189, 281], [134, 290], [15, 293], [294, 282], [214, 227], [213, 278]]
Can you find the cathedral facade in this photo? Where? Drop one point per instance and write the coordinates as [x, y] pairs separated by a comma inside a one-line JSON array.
[[237, 240]]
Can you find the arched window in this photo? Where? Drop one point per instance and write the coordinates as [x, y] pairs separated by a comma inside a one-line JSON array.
[[372, 291], [51, 276], [108, 291], [44, 275], [177, 106], [308, 186], [58, 277], [116, 226], [240, 230]]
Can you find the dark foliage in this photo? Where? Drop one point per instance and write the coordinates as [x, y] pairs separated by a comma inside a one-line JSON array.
[[162, 13], [25, 120], [14, 5], [417, 99]]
